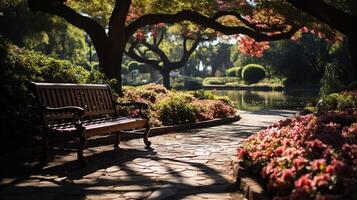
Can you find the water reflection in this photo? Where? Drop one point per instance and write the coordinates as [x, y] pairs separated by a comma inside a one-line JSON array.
[[257, 100]]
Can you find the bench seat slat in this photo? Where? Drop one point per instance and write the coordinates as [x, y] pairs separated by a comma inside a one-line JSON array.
[[101, 125]]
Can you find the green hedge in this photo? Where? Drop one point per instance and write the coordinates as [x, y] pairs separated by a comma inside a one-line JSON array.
[[19, 115], [234, 72], [141, 67], [253, 73]]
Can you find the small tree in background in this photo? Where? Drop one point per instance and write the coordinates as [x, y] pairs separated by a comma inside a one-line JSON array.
[[331, 80]]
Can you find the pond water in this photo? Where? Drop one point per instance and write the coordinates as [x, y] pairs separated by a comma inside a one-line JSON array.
[[258, 100]]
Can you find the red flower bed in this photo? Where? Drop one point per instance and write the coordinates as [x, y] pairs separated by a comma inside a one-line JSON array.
[[308, 157]]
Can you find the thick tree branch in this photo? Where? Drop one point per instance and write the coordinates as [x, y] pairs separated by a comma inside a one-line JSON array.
[[157, 51], [132, 54], [184, 45], [333, 17], [162, 35], [188, 52], [206, 22], [117, 19], [270, 28]]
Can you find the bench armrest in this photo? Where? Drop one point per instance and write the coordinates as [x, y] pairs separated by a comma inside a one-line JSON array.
[[77, 112], [72, 109]]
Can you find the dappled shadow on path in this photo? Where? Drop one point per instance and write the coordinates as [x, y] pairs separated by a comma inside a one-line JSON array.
[[111, 173], [181, 165]]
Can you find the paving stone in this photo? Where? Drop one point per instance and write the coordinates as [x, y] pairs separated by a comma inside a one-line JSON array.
[[163, 193], [215, 195], [129, 188], [112, 169], [136, 195], [104, 196], [118, 173]]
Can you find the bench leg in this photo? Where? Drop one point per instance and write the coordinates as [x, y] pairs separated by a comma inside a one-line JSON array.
[[82, 145], [117, 136], [146, 135], [44, 147]]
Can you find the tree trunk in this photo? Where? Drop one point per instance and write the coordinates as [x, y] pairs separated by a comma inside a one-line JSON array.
[[353, 53], [166, 79], [110, 62]]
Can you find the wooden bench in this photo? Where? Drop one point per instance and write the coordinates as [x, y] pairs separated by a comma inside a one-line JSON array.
[[83, 111]]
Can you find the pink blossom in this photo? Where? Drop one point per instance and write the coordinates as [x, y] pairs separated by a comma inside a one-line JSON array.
[[242, 153], [318, 164], [305, 183], [321, 180], [299, 163], [288, 174]]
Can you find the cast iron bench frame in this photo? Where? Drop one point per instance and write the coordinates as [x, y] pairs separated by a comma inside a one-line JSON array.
[[88, 109]]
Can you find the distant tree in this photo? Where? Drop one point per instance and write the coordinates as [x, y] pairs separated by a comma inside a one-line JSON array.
[[157, 50]]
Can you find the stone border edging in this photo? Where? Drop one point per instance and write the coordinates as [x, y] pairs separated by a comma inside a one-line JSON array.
[[246, 183], [182, 127]]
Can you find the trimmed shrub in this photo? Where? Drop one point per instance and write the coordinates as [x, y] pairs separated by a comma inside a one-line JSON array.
[[132, 65], [142, 68], [214, 81], [234, 72], [253, 73], [192, 84], [352, 86], [124, 69], [220, 80]]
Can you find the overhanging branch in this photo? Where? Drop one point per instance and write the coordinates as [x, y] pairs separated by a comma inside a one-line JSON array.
[[206, 22]]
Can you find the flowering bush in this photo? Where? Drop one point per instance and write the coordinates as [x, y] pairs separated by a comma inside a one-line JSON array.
[[172, 107], [176, 109], [308, 157]]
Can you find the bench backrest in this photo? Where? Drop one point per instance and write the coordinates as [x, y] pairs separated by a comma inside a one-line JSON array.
[[96, 100]]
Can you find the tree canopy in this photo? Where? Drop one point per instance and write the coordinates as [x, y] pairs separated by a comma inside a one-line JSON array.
[[111, 23]]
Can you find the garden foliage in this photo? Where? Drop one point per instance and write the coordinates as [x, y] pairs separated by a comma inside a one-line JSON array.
[[187, 83], [234, 72], [174, 107], [308, 157], [346, 100], [253, 73], [18, 68]]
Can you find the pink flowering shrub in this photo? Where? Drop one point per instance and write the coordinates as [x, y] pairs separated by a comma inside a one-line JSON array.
[[172, 107], [308, 157]]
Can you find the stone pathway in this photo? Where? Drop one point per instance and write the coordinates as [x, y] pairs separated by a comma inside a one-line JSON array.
[[187, 165]]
